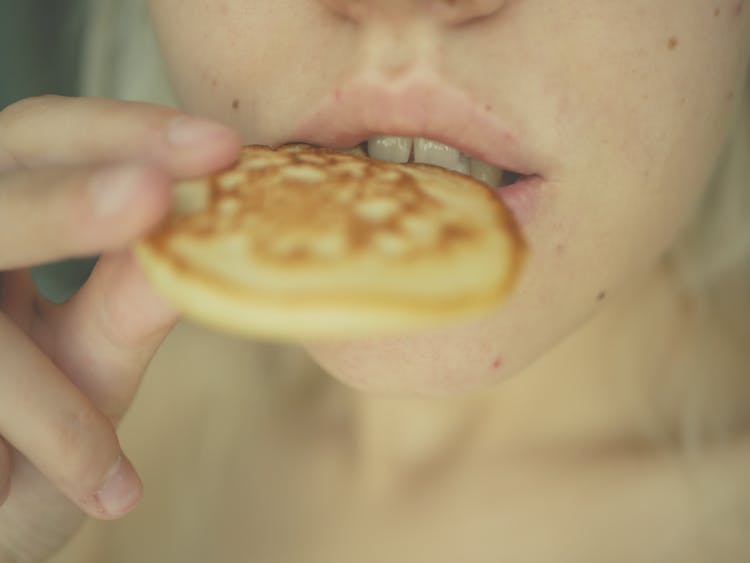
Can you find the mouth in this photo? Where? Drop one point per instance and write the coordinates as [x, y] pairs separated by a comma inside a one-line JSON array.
[[427, 151], [425, 120]]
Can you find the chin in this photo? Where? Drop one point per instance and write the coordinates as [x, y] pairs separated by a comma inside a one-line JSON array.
[[443, 363]]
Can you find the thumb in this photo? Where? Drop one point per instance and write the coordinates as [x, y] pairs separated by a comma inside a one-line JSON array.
[[104, 337]]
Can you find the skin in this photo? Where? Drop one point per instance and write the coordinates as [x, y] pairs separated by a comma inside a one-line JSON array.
[[642, 92], [631, 100], [69, 372], [632, 103]]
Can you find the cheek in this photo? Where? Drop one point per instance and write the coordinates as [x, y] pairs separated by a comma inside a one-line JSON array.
[[212, 52]]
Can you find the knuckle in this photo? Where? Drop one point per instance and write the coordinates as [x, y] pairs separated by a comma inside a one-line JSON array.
[[153, 120], [87, 446], [140, 125], [150, 116], [150, 139]]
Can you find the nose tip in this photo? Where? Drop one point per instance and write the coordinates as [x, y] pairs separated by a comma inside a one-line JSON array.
[[450, 12]]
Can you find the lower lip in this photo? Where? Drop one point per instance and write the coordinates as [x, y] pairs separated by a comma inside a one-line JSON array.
[[522, 197]]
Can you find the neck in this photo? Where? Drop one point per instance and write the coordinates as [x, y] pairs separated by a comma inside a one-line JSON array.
[[598, 389]]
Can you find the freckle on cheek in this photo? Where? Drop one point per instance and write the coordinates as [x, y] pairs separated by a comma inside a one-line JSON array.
[[673, 43]]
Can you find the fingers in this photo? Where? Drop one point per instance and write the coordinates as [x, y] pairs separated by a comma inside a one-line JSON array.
[[112, 328], [60, 131], [55, 213], [47, 419], [81, 177], [102, 339], [88, 175]]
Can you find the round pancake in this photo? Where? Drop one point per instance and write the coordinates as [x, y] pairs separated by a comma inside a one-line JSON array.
[[306, 243]]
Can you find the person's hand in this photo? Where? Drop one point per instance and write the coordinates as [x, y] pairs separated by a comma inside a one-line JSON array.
[[80, 177]]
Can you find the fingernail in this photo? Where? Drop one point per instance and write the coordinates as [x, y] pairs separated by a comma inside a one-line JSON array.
[[121, 490], [187, 131], [110, 189]]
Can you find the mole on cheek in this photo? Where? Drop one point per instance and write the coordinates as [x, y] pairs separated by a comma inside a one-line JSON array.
[[236, 105], [672, 43], [602, 296]]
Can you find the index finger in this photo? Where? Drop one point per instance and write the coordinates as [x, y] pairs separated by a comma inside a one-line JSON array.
[[58, 130]]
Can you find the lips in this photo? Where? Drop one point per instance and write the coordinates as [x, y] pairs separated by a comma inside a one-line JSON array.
[[361, 110]]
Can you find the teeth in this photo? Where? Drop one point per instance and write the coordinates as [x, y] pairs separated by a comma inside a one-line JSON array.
[[392, 149], [399, 149], [483, 172], [432, 152]]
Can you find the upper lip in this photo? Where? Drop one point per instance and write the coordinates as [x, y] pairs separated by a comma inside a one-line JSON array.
[[359, 110]]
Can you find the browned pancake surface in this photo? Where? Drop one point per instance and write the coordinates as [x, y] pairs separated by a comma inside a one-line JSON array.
[[304, 242]]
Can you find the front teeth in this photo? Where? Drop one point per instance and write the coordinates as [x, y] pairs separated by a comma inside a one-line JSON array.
[[401, 149], [432, 152], [392, 149]]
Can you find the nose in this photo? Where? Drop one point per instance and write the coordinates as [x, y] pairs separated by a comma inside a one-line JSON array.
[[449, 12]]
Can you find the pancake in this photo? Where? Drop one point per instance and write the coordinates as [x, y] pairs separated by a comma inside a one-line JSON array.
[[307, 243]]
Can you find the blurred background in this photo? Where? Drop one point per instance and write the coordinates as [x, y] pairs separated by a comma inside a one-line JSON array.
[[40, 42], [40, 48]]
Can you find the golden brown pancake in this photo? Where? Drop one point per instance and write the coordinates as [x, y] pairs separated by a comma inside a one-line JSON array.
[[306, 243]]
